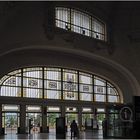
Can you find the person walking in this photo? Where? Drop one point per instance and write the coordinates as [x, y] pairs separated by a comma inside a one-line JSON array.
[[74, 129], [104, 127]]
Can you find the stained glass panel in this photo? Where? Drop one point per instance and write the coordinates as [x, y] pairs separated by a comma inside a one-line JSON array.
[[100, 98], [70, 95], [32, 93], [86, 97], [52, 94], [100, 89], [10, 91]]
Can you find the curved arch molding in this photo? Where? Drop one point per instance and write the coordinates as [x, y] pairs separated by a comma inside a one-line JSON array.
[[75, 59]]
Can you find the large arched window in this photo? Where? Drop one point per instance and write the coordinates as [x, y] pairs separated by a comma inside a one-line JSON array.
[[58, 83], [80, 22]]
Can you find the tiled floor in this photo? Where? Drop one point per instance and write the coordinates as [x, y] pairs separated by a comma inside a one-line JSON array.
[[83, 135]]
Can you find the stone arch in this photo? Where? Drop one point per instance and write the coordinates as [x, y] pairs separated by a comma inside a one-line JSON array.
[[75, 59]]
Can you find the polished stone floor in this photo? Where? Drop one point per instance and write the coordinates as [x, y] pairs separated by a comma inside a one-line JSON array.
[[83, 135]]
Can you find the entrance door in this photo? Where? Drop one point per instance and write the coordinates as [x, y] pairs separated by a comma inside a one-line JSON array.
[[86, 117], [69, 118], [100, 118], [51, 121], [11, 123], [10, 118], [33, 122]]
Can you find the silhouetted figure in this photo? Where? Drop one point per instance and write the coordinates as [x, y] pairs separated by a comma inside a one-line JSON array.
[[104, 127], [74, 129], [30, 125]]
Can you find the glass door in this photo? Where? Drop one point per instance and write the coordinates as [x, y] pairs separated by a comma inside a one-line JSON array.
[[87, 121], [51, 121], [71, 114], [87, 118], [11, 122], [10, 118], [100, 118], [53, 112], [33, 122], [33, 119], [70, 117]]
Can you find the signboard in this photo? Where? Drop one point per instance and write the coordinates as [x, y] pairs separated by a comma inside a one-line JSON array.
[[126, 114]]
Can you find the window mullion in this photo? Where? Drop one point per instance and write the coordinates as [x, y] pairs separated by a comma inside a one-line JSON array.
[[93, 88], [106, 93], [78, 87], [43, 83], [62, 96], [22, 83], [90, 26], [71, 19]]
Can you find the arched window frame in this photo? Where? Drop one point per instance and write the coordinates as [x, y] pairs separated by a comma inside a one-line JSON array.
[[69, 85], [80, 22]]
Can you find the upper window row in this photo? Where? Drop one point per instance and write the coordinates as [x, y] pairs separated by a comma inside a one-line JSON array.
[[80, 22]]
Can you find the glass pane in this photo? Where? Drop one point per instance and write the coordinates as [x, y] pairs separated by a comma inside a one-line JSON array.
[[86, 97], [99, 89], [87, 120], [52, 85], [34, 74], [86, 88], [62, 17], [100, 117], [99, 29], [85, 79], [76, 21], [112, 98], [70, 95], [10, 91], [32, 93], [112, 91], [70, 76], [100, 98], [52, 94], [52, 75], [99, 81], [69, 86], [81, 22], [31, 82], [13, 81]]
